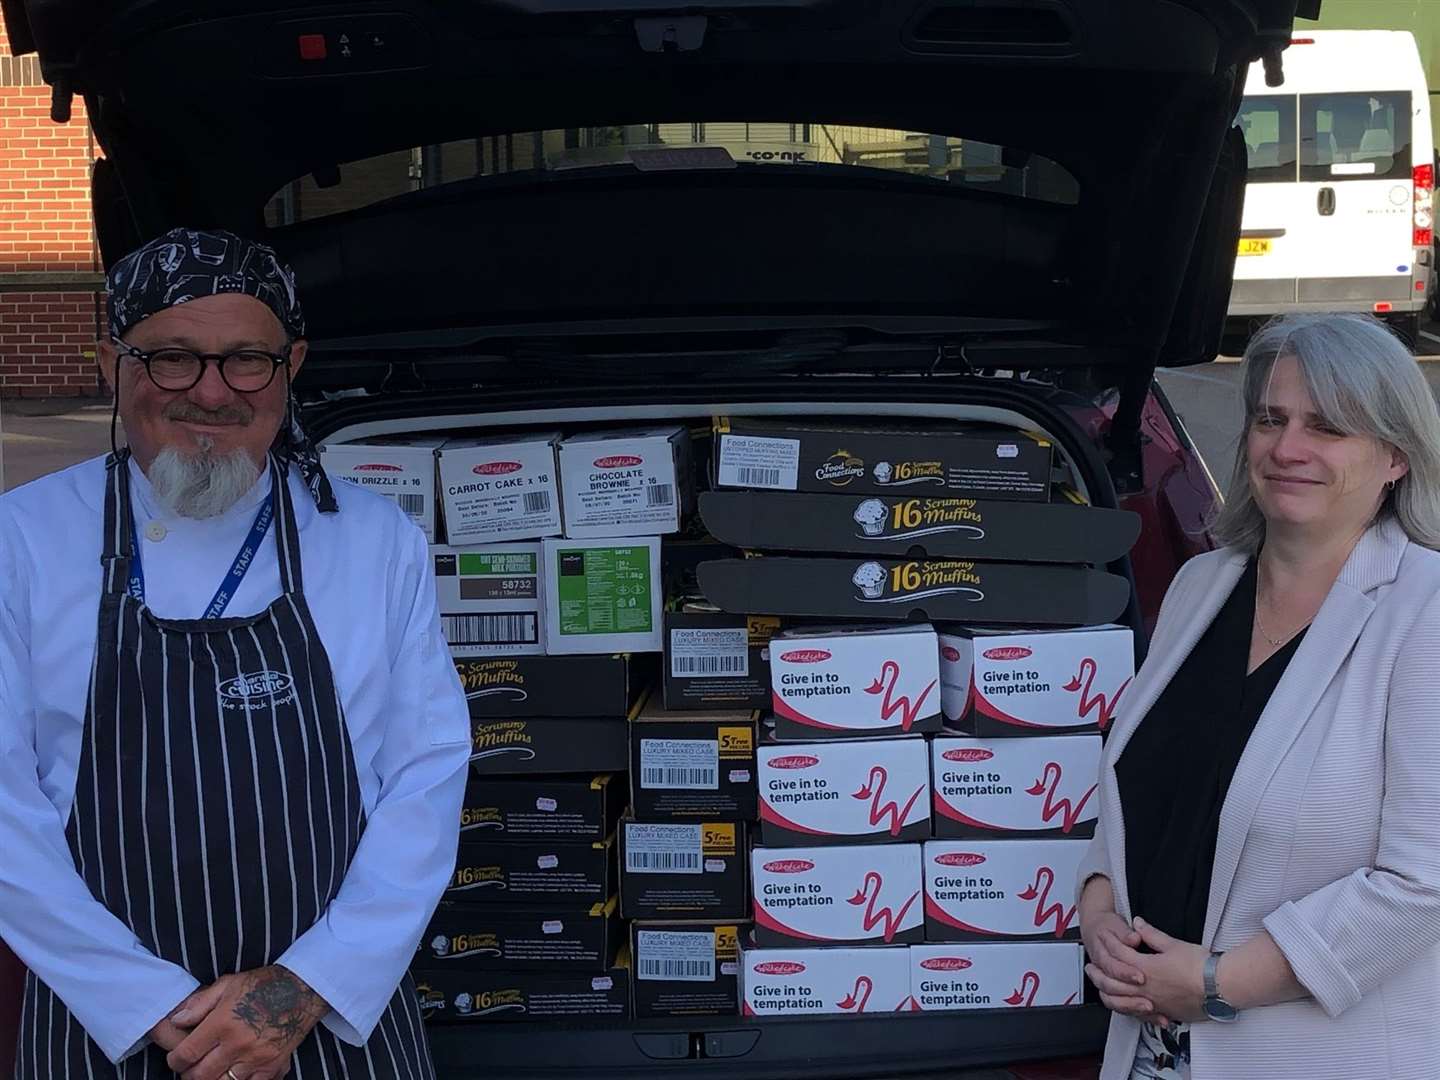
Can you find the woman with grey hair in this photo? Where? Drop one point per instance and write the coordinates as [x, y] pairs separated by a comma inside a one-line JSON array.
[[1262, 896]]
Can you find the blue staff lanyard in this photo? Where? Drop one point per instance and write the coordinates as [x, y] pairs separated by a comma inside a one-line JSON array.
[[238, 568]]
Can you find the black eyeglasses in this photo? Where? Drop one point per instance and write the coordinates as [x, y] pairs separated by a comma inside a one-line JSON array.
[[246, 371]]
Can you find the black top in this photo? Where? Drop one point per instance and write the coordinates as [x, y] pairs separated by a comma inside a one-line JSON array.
[[1176, 769]]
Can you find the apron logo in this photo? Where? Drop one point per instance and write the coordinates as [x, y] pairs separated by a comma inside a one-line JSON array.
[[257, 690]]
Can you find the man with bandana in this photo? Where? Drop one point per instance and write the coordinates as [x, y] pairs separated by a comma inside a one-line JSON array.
[[232, 743]]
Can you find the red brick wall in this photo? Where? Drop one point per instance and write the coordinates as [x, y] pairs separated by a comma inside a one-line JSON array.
[[48, 318]]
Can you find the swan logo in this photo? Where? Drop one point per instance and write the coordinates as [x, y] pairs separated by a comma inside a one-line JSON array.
[[969, 754], [959, 858], [1009, 652], [789, 866], [496, 468], [779, 967], [794, 761], [618, 461], [805, 656], [946, 963], [257, 690]]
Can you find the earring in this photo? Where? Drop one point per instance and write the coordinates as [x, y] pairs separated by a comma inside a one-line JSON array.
[[1389, 485]]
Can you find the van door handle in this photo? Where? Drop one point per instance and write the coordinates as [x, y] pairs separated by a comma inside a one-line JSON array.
[[1325, 201]]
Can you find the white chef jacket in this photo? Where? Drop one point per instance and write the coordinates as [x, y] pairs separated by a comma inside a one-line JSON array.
[[370, 586]]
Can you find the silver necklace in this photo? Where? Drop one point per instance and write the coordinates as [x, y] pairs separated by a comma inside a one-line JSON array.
[[1260, 625]]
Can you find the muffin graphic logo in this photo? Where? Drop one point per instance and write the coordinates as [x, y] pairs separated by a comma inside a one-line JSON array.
[[464, 1004], [870, 515], [440, 945], [884, 472], [869, 578]]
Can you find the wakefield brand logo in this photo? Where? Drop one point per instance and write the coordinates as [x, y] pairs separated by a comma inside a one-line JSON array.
[[496, 468], [779, 967], [959, 858], [1009, 652], [971, 754], [794, 761], [789, 866], [950, 653], [378, 467], [618, 461], [805, 656], [946, 963], [257, 684]]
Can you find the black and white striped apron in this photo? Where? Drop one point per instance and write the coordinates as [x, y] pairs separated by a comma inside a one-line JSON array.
[[216, 808]]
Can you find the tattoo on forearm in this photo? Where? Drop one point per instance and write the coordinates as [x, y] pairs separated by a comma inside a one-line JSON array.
[[277, 1006]]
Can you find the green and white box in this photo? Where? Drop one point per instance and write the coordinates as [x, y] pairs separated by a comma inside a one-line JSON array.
[[403, 470], [602, 596], [491, 597], [495, 490]]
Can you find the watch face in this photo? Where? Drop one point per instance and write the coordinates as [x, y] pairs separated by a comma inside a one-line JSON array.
[[1220, 1010]]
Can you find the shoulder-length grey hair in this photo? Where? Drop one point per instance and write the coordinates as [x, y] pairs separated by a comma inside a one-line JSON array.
[[1363, 381]]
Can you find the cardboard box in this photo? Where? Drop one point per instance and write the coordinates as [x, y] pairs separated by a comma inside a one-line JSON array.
[[685, 968], [635, 482], [853, 588], [561, 874], [862, 681], [812, 982], [498, 489], [487, 997], [717, 661], [845, 792], [483, 937], [1034, 682], [683, 871], [490, 598], [403, 470], [565, 807], [602, 596], [978, 462], [981, 890], [993, 976], [524, 686], [544, 744], [692, 766], [1042, 787], [868, 894], [681, 554], [906, 526]]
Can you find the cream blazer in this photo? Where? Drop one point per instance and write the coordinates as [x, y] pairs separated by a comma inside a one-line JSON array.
[[1330, 834]]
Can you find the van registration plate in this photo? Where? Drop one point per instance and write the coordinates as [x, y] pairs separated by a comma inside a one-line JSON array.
[[1254, 246]]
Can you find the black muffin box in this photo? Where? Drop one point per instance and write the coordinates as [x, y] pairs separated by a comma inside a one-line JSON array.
[[685, 968], [487, 997], [516, 687], [524, 807], [693, 766], [529, 938], [549, 744], [558, 874], [680, 870], [714, 660]]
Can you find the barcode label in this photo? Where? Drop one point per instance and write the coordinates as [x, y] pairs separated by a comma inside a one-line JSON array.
[[660, 495], [663, 862], [686, 764], [537, 502], [412, 505], [695, 653], [680, 666], [752, 477], [490, 629], [675, 955], [663, 849], [759, 462], [677, 778]]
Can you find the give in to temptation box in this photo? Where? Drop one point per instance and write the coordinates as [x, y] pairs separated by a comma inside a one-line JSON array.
[[692, 766], [528, 938], [602, 596], [548, 744], [498, 489], [714, 660], [683, 871], [553, 686], [863, 895], [797, 981], [490, 598], [983, 462], [855, 681], [1034, 682], [486, 997], [402, 470], [632, 482], [685, 968], [1013, 974], [558, 873], [987, 890], [1040, 787], [526, 807], [848, 791]]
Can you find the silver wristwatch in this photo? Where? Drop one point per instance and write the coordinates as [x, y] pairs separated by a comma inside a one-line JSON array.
[[1216, 1007]]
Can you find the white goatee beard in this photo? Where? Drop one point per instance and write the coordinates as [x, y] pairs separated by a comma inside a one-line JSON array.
[[202, 485]]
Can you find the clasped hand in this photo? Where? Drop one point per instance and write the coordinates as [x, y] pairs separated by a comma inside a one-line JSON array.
[[1164, 985]]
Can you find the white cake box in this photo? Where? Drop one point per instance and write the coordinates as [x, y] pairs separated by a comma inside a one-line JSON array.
[[981, 890], [499, 489], [403, 470], [844, 791], [491, 598], [1012, 788], [868, 894], [1034, 682], [811, 982], [994, 976], [626, 483], [866, 681]]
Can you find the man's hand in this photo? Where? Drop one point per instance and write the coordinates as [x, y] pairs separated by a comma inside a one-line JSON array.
[[248, 1023], [167, 1034]]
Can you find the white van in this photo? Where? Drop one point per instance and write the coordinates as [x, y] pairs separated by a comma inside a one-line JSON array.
[[1338, 199]]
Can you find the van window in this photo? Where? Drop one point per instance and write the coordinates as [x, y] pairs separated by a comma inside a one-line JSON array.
[[1269, 126], [1361, 136]]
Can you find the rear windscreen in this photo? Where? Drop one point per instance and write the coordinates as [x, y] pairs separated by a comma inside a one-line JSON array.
[[1364, 136], [1269, 127]]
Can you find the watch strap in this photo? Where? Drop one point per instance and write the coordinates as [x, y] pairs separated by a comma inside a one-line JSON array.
[[1212, 968]]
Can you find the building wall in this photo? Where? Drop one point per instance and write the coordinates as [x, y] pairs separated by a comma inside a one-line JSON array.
[[50, 307]]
